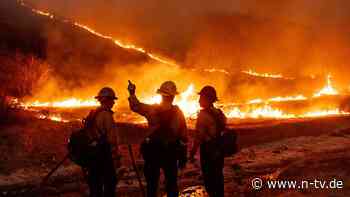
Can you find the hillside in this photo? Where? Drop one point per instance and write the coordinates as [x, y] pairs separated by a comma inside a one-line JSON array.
[[59, 43]]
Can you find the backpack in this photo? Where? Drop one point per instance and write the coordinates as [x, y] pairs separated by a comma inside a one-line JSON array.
[[228, 143], [79, 150], [226, 139]]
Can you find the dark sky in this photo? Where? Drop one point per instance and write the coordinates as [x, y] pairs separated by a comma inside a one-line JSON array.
[[134, 11], [269, 35]]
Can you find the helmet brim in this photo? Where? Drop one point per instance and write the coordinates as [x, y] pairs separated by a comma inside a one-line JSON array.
[[114, 98]]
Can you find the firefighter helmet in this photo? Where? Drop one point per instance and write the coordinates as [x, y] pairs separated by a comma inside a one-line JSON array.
[[106, 92], [209, 92], [168, 88]]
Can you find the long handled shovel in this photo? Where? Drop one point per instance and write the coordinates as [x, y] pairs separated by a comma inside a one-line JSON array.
[[46, 178], [48, 175], [136, 170]]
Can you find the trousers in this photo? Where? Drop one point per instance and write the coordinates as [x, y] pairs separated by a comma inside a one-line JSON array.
[[159, 157], [212, 164], [101, 174]]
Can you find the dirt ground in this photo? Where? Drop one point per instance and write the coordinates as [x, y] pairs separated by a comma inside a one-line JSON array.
[[298, 150]]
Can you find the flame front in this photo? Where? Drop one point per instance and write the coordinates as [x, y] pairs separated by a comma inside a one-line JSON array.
[[265, 75], [288, 98], [89, 29], [188, 103], [268, 111], [55, 118], [265, 111], [188, 100], [68, 103]]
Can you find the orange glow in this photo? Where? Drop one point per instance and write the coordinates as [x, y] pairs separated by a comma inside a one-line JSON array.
[[187, 101], [55, 118], [266, 75], [68, 103], [288, 98], [325, 113], [156, 99], [211, 70], [265, 111], [278, 99], [115, 41], [255, 101], [328, 89]]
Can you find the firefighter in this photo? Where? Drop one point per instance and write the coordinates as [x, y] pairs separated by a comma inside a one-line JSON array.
[[101, 173], [165, 147], [210, 122]]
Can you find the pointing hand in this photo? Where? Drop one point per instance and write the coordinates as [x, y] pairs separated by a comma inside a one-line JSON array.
[[131, 88]]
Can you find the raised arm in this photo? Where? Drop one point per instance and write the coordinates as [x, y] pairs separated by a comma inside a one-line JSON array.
[[137, 106]]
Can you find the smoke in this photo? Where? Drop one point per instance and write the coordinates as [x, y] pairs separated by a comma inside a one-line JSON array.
[[295, 38], [272, 33], [147, 77]]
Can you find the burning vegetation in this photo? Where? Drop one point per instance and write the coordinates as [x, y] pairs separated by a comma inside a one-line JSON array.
[[252, 109], [56, 88], [267, 107]]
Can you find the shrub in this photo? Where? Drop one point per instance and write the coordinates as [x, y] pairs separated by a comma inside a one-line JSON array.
[[20, 75]]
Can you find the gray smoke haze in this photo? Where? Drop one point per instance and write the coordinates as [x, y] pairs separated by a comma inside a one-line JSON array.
[[298, 37]]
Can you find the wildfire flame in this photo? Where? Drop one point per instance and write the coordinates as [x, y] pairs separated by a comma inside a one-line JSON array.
[[325, 113], [188, 100], [267, 111], [260, 112], [288, 98], [265, 75], [55, 118], [188, 103], [255, 101], [212, 70], [89, 29], [278, 99], [328, 89], [68, 103]]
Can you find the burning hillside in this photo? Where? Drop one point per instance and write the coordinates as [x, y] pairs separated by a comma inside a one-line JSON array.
[[276, 106], [280, 85]]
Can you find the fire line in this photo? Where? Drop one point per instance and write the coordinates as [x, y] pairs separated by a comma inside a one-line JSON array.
[[188, 100], [108, 37]]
